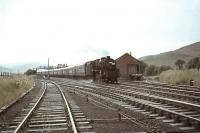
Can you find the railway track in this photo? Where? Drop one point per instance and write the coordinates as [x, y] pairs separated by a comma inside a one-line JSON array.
[[188, 112], [179, 87], [175, 115], [182, 95], [108, 102], [50, 112], [187, 90]]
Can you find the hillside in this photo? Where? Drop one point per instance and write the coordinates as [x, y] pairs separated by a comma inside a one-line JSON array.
[[22, 67], [4, 69], [169, 58]]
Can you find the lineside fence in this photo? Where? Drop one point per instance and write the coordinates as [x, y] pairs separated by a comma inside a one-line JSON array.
[[5, 74]]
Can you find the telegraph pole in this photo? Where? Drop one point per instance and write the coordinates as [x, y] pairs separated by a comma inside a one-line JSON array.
[[48, 68]]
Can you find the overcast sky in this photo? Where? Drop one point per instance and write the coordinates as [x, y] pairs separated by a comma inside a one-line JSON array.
[[75, 31]]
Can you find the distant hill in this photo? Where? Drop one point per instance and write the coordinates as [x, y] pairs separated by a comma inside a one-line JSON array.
[[22, 67], [168, 58], [4, 69]]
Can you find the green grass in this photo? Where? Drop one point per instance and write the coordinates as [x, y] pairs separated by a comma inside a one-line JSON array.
[[12, 88], [180, 77]]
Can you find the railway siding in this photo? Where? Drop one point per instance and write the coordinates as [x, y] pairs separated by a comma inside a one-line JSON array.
[[71, 105], [180, 116], [102, 113]]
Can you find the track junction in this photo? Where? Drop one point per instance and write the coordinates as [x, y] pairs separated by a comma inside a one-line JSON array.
[[66, 105]]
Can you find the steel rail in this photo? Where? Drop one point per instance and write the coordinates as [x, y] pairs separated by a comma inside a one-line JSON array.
[[153, 96], [20, 126], [112, 108], [175, 87], [161, 88], [164, 99], [136, 100], [68, 109], [161, 108], [130, 99], [167, 91]]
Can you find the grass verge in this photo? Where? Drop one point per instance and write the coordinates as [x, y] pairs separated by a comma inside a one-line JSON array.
[[178, 77], [12, 88]]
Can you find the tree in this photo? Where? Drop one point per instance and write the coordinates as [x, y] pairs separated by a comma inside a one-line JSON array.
[[164, 68], [143, 66], [194, 63], [179, 63], [151, 70], [155, 70], [30, 72]]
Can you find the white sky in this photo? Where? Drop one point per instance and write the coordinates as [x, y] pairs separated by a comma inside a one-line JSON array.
[[75, 31]]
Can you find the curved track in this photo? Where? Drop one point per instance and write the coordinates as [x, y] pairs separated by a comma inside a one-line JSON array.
[[49, 112]]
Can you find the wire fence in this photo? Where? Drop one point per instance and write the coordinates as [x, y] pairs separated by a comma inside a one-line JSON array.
[[5, 74]]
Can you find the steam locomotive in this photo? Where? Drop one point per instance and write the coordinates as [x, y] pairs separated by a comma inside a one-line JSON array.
[[103, 69]]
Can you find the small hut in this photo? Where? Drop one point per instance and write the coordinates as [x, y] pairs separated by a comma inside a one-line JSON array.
[[128, 65]]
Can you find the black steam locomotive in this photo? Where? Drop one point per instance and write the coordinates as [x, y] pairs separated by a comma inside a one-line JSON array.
[[105, 70]]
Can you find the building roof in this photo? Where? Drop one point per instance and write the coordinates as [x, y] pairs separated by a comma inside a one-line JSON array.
[[126, 55]]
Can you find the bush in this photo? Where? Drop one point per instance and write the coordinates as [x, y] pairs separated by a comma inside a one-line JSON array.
[[194, 63], [30, 72], [180, 76], [153, 70], [143, 66]]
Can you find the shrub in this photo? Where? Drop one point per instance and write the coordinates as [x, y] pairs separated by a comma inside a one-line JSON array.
[[194, 63], [153, 70], [180, 76], [30, 72]]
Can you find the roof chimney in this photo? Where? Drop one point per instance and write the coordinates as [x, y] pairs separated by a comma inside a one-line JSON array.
[[130, 53]]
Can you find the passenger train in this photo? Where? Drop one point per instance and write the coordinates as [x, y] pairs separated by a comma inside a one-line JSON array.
[[103, 69]]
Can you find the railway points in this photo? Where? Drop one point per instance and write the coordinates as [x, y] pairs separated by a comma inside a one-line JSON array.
[[99, 107]]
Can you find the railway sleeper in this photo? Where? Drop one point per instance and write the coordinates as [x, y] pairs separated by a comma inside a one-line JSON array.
[[83, 124], [161, 116], [140, 107]]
